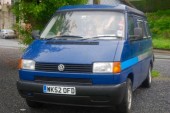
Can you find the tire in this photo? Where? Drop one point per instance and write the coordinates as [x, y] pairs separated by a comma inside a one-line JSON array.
[[33, 104], [126, 104], [147, 82]]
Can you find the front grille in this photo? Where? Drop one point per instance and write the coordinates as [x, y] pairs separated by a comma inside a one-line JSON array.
[[72, 68], [63, 80]]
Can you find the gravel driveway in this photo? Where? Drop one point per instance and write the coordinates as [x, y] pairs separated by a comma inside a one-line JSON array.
[[157, 98], [153, 100]]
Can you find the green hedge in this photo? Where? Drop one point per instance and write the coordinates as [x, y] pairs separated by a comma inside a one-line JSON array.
[[151, 5], [160, 27], [37, 14], [160, 24]]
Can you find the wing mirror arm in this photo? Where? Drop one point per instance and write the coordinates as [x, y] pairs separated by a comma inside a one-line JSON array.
[[35, 34]]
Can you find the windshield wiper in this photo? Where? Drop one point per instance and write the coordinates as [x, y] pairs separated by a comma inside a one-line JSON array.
[[70, 36], [63, 37], [101, 36]]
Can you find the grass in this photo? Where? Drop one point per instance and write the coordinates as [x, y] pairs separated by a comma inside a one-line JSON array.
[[160, 43], [155, 73]]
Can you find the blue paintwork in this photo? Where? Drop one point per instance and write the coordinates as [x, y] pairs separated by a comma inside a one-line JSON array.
[[127, 52], [97, 79], [129, 63], [116, 7], [39, 51], [44, 89], [87, 7]]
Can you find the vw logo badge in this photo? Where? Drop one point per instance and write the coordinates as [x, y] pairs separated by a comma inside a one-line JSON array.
[[61, 67]]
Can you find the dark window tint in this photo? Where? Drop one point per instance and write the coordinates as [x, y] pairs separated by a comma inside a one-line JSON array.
[[131, 25], [147, 30]]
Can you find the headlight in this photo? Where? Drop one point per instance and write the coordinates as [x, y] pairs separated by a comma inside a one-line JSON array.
[[26, 64], [102, 67], [107, 67]]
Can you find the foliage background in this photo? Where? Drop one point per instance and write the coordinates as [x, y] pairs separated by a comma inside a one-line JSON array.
[[36, 14], [158, 13], [160, 27], [39, 13], [151, 5]]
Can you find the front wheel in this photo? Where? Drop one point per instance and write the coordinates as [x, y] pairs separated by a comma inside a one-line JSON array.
[[126, 104]]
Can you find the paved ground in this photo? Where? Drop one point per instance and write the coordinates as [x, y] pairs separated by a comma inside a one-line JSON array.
[[157, 98], [153, 100], [162, 54], [10, 43]]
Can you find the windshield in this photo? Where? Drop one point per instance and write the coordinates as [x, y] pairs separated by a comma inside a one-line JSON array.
[[86, 24]]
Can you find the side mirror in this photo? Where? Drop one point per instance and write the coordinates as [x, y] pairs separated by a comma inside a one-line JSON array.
[[35, 34], [138, 32]]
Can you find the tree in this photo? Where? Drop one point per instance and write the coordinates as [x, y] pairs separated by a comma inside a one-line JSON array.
[[96, 1], [37, 13], [151, 5]]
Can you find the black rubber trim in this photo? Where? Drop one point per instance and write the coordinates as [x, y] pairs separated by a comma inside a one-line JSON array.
[[90, 95]]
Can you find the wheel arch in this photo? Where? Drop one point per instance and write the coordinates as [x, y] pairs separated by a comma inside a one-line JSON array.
[[131, 77], [151, 64]]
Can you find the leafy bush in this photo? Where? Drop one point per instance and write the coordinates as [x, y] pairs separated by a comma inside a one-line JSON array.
[[37, 14], [160, 27], [160, 24], [151, 5]]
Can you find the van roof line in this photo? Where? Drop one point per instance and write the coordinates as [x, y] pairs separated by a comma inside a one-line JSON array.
[[120, 7]]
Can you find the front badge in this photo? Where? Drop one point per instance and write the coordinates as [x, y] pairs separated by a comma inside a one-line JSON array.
[[61, 67]]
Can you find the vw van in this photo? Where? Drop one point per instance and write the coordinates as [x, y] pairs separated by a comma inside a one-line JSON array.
[[88, 55]]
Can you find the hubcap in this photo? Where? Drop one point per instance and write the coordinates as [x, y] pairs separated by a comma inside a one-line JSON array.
[[129, 98]]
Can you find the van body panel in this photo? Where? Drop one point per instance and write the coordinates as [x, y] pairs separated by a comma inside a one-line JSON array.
[[75, 53], [137, 55], [96, 79]]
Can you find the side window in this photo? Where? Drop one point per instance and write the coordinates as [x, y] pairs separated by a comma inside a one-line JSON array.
[[140, 24], [131, 25], [147, 30]]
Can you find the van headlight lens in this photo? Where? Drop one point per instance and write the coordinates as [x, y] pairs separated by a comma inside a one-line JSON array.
[[107, 67], [26, 64], [102, 67]]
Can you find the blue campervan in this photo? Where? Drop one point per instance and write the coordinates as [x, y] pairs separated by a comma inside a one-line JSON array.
[[88, 55]]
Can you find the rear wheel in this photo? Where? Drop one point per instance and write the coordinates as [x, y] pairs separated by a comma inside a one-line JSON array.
[[126, 104], [148, 80], [33, 104]]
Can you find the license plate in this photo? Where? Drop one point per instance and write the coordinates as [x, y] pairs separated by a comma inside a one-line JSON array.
[[59, 90]]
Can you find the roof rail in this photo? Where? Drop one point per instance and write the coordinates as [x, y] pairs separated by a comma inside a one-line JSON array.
[[126, 2]]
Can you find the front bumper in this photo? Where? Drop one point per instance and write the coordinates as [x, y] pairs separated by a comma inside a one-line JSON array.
[[86, 95]]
